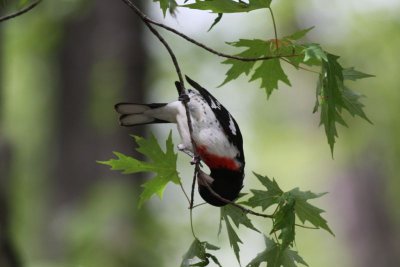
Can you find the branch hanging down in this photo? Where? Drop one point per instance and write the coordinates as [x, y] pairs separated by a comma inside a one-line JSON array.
[[187, 38], [180, 86], [20, 12]]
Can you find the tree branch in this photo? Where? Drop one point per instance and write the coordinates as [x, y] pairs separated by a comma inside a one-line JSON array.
[[181, 87], [181, 91], [189, 39], [20, 12], [162, 40]]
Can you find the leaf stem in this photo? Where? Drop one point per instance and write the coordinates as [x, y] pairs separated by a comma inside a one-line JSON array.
[[300, 67], [246, 210], [184, 192], [20, 12], [306, 227], [275, 30]]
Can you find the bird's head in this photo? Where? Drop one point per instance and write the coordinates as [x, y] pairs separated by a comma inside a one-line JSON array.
[[226, 183]]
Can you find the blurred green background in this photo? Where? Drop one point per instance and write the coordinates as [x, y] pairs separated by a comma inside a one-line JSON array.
[[66, 63]]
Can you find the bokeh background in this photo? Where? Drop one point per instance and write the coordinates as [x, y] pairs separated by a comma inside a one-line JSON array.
[[66, 63]]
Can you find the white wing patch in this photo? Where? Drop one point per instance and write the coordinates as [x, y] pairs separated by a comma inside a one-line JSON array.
[[215, 105], [232, 125]]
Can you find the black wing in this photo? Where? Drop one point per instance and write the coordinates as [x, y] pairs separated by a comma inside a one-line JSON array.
[[224, 117]]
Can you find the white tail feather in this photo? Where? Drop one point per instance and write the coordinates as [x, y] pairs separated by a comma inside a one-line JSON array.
[[135, 119], [127, 108]]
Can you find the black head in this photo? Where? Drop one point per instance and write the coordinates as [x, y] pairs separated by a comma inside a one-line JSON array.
[[225, 183]]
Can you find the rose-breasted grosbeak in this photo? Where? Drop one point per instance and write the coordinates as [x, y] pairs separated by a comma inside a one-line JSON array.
[[217, 138]]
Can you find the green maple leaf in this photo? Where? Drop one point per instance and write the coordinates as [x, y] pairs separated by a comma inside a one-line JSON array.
[[351, 102], [265, 199], [254, 49], [198, 252], [229, 6], [270, 72], [167, 4], [284, 221], [238, 217], [307, 212], [162, 163], [290, 204], [275, 256], [298, 35], [216, 21], [301, 53], [353, 74], [314, 51], [332, 95]]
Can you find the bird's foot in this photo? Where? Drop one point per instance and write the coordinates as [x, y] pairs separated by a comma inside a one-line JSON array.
[[183, 98]]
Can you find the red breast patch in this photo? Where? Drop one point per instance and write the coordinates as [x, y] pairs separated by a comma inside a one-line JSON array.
[[216, 162]]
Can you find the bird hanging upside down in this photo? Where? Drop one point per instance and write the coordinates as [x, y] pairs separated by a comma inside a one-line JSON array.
[[216, 135]]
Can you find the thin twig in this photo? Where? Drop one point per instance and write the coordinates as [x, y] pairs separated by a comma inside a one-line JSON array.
[[246, 210], [181, 87], [162, 40], [20, 12], [185, 100], [184, 192], [191, 40], [196, 170], [198, 205]]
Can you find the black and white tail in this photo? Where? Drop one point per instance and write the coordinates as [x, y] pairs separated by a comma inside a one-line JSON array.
[[139, 114]]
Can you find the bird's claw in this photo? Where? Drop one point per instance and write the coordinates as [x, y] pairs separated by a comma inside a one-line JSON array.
[[196, 160], [183, 98]]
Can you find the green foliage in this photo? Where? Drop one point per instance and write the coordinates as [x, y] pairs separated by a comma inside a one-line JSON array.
[[332, 95], [198, 252], [228, 6], [217, 19], [265, 199], [288, 205], [284, 221], [162, 163], [353, 75], [167, 4], [269, 71], [274, 73], [307, 212], [238, 217], [275, 256]]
